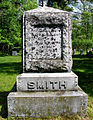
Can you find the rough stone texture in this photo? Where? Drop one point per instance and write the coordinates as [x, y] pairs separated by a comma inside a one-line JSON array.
[[42, 104], [47, 81], [47, 40]]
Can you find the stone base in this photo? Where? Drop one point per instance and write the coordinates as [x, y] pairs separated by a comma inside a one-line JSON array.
[[47, 81], [43, 104]]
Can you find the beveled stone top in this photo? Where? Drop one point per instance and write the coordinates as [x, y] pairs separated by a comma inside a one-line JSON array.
[[45, 9], [46, 15]]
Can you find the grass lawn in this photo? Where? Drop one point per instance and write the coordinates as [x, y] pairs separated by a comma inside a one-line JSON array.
[[10, 67]]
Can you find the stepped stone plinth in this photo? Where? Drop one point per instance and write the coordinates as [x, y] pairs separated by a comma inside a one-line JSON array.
[[47, 86]]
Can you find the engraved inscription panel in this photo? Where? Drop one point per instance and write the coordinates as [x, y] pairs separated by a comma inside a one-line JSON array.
[[46, 85], [46, 42]]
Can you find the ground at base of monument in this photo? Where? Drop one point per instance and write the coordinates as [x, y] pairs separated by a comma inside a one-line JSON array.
[[43, 104]]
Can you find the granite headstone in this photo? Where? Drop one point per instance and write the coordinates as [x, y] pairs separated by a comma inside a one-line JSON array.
[[47, 86]]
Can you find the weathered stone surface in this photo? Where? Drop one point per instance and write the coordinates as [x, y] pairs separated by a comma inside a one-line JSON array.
[[47, 48], [47, 81], [47, 40], [41, 104]]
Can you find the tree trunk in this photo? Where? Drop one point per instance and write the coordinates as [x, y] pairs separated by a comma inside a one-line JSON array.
[[92, 28], [8, 48], [87, 36], [3, 49], [42, 3], [49, 3]]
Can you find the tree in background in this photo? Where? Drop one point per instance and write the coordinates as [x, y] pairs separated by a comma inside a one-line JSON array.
[[10, 22], [82, 35], [60, 4], [82, 18]]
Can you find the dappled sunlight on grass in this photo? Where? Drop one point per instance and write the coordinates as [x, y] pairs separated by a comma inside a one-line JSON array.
[[80, 70], [83, 67], [10, 66]]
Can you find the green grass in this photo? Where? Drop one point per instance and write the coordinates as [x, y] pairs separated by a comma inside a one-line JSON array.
[[10, 67]]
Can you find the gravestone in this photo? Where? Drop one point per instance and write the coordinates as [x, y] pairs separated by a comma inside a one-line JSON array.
[[47, 86], [14, 53]]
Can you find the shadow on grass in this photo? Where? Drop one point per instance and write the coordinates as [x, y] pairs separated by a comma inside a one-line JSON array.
[[82, 56], [84, 70], [10, 68], [86, 82], [3, 103], [82, 67]]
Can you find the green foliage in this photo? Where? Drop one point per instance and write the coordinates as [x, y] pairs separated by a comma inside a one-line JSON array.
[[82, 27], [82, 32], [60, 4], [30, 4], [55, 5], [10, 22], [82, 44]]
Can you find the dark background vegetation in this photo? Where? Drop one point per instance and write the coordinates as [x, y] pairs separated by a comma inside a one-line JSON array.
[[10, 22]]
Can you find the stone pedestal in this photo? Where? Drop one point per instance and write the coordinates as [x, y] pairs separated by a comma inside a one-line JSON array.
[[47, 87], [47, 94], [43, 104], [47, 81]]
